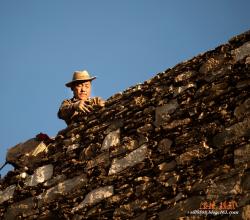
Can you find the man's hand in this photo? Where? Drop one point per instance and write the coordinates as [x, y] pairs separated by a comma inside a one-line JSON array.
[[97, 101], [83, 106]]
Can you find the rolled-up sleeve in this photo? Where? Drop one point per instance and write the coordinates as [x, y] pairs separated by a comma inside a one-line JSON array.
[[66, 111]]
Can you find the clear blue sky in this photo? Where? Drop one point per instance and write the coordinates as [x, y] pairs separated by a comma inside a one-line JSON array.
[[121, 42]]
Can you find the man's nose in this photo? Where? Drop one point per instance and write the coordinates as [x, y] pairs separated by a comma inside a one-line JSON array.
[[83, 89]]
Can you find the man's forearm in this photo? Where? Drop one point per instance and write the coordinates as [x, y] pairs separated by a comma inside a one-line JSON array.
[[66, 111]]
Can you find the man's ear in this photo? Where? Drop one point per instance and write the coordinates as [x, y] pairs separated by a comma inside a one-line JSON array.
[[72, 87]]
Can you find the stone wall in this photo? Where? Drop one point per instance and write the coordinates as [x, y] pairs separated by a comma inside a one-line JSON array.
[[175, 144]]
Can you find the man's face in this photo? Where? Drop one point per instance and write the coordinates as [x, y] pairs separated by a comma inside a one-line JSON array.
[[82, 90]]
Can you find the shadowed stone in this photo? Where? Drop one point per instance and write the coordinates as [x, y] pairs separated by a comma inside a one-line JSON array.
[[126, 211], [176, 123], [143, 216], [188, 156], [242, 154], [167, 166], [243, 84], [24, 208], [116, 124], [164, 146], [102, 159], [243, 109], [228, 185], [128, 144], [245, 183], [162, 113], [55, 180], [232, 133], [145, 129], [242, 51], [181, 208]]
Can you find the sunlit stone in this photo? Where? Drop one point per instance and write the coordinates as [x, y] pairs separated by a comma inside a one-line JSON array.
[[7, 193], [112, 139], [40, 175], [131, 159], [96, 196]]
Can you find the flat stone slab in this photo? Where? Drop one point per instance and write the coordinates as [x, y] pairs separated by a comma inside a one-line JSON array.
[[131, 159], [7, 194], [95, 196], [40, 175]]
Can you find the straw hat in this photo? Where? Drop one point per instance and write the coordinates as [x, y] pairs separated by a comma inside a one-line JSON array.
[[81, 75]]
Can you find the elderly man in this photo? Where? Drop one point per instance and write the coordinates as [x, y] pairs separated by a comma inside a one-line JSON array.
[[81, 103]]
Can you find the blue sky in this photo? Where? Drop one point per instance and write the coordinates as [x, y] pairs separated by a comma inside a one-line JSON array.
[[122, 42]]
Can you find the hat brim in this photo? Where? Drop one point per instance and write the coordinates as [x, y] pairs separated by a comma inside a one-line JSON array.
[[69, 84]]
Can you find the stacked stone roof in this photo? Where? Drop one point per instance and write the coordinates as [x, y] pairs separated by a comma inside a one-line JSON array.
[[164, 149]]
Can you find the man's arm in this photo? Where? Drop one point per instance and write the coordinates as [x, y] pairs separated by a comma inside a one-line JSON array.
[[66, 111], [69, 109]]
